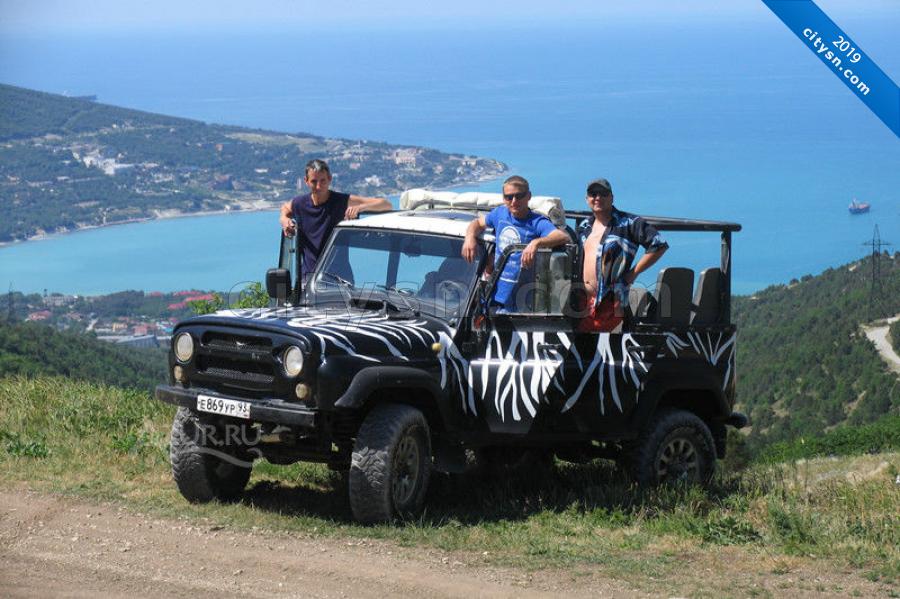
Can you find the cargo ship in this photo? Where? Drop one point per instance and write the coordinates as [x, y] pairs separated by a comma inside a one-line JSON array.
[[858, 207]]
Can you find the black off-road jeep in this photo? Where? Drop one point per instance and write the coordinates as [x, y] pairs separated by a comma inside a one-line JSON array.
[[389, 363]]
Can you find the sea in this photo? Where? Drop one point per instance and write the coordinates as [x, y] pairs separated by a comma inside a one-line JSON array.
[[699, 118]]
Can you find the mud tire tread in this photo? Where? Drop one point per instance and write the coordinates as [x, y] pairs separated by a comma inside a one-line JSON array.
[[379, 436], [197, 473]]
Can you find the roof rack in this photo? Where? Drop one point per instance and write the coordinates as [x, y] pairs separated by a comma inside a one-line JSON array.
[[667, 223], [479, 201]]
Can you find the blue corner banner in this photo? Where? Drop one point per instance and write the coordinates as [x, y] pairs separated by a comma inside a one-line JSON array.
[[842, 56]]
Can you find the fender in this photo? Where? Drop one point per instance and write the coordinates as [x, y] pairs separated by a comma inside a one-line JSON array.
[[381, 378], [670, 376]]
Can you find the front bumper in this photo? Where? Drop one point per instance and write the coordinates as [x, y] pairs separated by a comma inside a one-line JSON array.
[[261, 410]]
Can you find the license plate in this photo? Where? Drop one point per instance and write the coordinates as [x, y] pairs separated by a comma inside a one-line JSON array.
[[226, 407]]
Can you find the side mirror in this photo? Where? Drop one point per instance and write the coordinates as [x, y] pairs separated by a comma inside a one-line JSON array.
[[278, 284]]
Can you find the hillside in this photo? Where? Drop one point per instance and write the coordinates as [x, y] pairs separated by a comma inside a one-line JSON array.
[[804, 365], [67, 163], [37, 350]]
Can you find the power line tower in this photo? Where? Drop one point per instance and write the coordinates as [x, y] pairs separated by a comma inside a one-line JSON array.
[[877, 289]]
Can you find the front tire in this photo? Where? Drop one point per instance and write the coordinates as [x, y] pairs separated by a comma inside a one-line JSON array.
[[202, 471], [391, 464], [675, 447]]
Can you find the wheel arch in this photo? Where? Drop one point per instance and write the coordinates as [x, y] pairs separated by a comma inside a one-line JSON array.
[[700, 394], [396, 384]]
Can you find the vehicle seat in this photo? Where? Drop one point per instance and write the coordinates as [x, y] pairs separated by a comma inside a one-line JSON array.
[[560, 281], [553, 281], [708, 297], [640, 301], [453, 268], [673, 294]]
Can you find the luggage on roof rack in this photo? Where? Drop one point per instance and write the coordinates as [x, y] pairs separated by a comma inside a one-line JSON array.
[[426, 199]]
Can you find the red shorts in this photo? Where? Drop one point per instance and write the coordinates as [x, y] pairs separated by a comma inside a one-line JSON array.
[[604, 317]]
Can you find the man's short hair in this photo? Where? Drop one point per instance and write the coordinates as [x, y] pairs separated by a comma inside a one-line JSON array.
[[520, 182], [317, 166]]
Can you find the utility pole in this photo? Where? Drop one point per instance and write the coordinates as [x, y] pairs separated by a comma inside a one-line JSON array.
[[876, 290]]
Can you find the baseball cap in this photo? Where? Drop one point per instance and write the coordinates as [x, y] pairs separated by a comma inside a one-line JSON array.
[[599, 185]]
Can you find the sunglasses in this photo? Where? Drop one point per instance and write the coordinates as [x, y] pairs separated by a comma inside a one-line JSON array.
[[520, 195], [598, 194]]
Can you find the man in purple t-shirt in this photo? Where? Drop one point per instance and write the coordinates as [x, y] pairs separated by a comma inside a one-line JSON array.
[[319, 211]]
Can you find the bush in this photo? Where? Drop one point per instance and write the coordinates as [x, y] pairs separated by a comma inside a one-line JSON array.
[[895, 336], [882, 435]]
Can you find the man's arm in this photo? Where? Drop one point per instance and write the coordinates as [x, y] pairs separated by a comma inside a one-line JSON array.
[[287, 223], [470, 245], [646, 261], [654, 247], [359, 204], [554, 238]]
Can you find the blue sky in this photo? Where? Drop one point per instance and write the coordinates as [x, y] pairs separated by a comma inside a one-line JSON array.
[[26, 16]]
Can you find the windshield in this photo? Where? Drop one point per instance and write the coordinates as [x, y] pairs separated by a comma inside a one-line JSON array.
[[410, 271]]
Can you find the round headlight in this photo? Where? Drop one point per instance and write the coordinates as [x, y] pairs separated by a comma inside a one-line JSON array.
[[184, 347], [293, 360]]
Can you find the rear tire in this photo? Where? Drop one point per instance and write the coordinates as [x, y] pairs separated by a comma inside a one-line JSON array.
[[676, 446], [202, 471], [391, 464]]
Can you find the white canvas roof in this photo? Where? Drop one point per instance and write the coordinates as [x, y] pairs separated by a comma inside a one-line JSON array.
[[425, 199]]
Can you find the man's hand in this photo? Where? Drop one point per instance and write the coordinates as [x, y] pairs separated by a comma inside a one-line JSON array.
[[469, 248], [288, 226], [352, 212], [529, 253]]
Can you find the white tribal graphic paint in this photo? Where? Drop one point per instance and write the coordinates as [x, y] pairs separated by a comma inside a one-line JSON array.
[[610, 369], [713, 351], [399, 337], [450, 357], [522, 372]]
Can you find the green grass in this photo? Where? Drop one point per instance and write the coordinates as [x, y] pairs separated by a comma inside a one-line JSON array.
[[109, 444], [881, 435]]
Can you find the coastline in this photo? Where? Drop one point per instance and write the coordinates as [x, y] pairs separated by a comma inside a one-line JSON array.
[[246, 207], [259, 206]]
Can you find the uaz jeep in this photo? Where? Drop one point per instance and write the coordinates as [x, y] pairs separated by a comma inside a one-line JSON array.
[[389, 363]]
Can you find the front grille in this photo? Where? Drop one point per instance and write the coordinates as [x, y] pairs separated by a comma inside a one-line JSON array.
[[238, 376], [240, 361], [223, 341]]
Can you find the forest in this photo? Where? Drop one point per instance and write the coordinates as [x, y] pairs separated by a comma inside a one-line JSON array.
[[804, 365], [36, 350]]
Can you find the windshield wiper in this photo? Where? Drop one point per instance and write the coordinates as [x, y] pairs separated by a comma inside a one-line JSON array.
[[344, 286], [400, 294], [344, 282]]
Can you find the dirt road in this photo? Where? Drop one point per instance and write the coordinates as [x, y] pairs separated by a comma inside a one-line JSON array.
[[51, 546], [60, 547], [879, 336]]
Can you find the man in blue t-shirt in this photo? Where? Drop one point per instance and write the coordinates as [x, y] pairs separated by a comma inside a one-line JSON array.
[[318, 212], [513, 223]]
